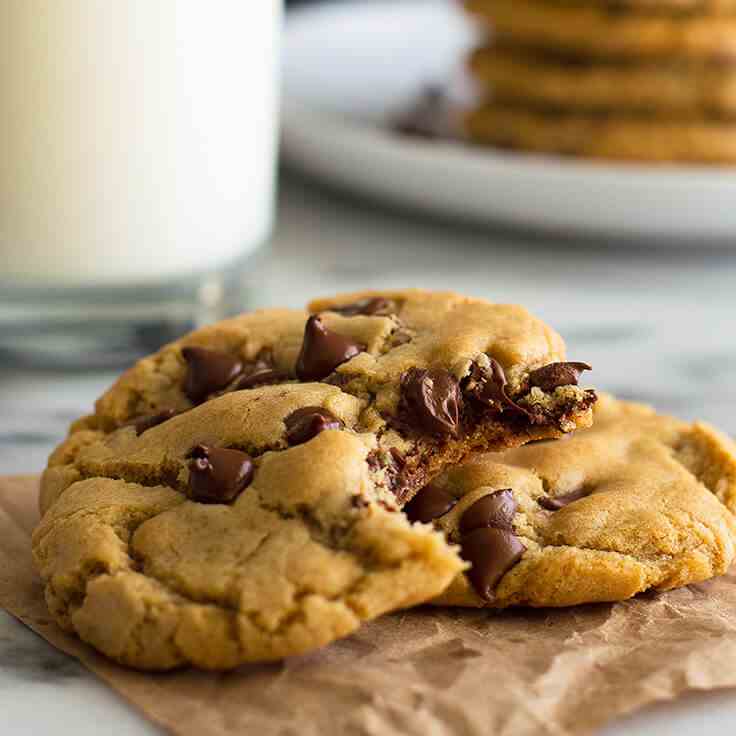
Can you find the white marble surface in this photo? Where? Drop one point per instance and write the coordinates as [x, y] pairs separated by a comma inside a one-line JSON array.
[[657, 325]]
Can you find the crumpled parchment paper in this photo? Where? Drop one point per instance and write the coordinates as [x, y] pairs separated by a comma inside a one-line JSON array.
[[426, 672]]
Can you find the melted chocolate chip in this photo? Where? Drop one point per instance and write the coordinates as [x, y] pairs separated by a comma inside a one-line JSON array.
[[494, 510], [209, 371], [492, 553], [145, 423], [218, 475], [489, 387], [261, 377], [368, 307], [323, 350], [305, 423], [430, 503], [397, 476], [555, 503], [432, 400], [488, 541], [392, 462], [554, 375]]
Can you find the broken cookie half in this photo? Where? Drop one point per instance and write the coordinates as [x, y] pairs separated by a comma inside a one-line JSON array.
[[640, 501], [235, 497], [166, 549]]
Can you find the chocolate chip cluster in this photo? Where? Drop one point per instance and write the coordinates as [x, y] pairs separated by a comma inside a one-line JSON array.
[[486, 529]]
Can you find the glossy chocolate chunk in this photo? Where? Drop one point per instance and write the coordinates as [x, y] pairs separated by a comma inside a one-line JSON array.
[[432, 400], [305, 423], [261, 377], [555, 503], [208, 371], [323, 350], [554, 375], [492, 553], [372, 306], [145, 423], [490, 387], [430, 503], [494, 510], [218, 475]]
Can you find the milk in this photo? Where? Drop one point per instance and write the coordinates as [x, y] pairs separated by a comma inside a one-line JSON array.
[[137, 137]]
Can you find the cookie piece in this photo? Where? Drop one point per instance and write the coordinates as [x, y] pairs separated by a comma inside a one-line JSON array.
[[435, 376], [166, 552], [616, 136], [639, 501], [603, 30], [235, 497], [540, 78]]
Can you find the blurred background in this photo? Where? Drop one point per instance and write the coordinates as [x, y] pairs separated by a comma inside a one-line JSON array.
[[634, 265]]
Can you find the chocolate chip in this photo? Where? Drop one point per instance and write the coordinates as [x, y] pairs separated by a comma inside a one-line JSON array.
[[261, 377], [392, 463], [554, 375], [431, 398], [305, 423], [488, 541], [492, 553], [494, 510], [218, 475], [209, 371], [323, 350], [145, 423], [555, 503], [489, 387], [369, 307], [430, 503]]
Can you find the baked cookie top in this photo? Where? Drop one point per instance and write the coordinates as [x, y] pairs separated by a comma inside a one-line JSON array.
[[640, 501], [235, 497]]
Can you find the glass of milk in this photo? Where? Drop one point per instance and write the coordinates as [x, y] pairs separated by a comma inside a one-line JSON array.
[[138, 142]]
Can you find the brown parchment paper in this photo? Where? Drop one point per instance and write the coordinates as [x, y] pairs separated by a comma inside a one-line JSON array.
[[424, 672]]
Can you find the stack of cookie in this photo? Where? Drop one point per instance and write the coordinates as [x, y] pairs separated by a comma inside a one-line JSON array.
[[648, 80], [263, 486]]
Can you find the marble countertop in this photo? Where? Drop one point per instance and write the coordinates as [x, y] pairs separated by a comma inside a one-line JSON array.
[[657, 325]]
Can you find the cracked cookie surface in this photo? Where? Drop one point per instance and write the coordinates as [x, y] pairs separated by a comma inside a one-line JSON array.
[[640, 501], [234, 498]]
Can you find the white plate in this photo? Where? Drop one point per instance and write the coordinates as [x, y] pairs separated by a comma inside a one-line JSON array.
[[349, 66]]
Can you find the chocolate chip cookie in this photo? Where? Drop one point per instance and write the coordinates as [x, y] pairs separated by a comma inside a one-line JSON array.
[[619, 136], [639, 501], [558, 80], [598, 29], [234, 497]]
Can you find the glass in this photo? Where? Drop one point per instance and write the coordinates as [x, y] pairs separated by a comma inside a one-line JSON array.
[[137, 169]]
